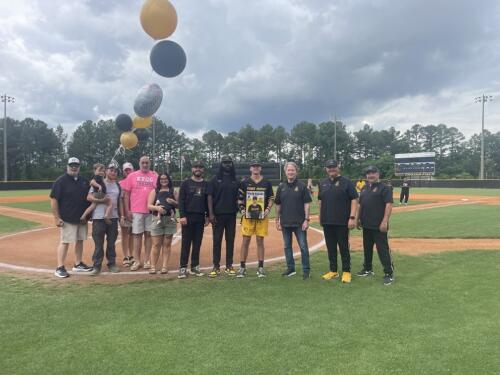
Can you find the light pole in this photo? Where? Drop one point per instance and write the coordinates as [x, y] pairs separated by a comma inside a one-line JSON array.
[[5, 99], [482, 99], [335, 140]]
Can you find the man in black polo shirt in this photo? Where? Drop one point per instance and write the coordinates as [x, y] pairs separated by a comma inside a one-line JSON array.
[[68, 200], [337, 198], [223, 206], [193, 210], [375, 207], [292, 217]]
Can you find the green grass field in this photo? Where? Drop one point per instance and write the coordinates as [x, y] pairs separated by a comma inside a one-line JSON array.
[[23, 193], [11, 225], [464, 221], [438, 317], [448, 191], [43, 206]]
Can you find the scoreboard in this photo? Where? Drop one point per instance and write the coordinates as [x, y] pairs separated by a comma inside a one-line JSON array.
[[415, 164]]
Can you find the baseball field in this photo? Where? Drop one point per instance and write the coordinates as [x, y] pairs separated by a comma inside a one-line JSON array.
[[439, 317]]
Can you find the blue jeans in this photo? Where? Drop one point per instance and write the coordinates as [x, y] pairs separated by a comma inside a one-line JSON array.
[[301, 236]]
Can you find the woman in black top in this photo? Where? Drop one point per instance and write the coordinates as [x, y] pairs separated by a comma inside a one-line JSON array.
[[162, 202]]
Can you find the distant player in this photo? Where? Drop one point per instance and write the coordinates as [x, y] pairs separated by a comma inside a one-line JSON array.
[[360, 184], [405, 192]]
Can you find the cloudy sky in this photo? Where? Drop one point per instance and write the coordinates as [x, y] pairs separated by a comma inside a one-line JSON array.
[[385, 62]]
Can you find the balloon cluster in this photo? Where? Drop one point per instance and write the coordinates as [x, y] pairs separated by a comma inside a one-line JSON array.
[[168, 59]]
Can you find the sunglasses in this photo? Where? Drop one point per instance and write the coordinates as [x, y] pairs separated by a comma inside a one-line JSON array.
[[74, 165]]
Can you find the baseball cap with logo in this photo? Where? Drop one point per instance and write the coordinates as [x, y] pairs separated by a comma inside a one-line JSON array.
[[226, 159], [198, 164], [73, 160], [371, 169], [112, 166], [255, 163], [332, 163], [127, 166]]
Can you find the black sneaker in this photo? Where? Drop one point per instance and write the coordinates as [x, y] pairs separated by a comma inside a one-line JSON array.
[[306, 276], [388, 279], [81, 267], [289, 273], [365, 272], [61, 272]]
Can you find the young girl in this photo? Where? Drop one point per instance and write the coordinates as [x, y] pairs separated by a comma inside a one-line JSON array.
[[99, 192]]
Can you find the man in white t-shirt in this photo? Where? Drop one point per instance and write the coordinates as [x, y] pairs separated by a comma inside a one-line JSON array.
[[103, 229]]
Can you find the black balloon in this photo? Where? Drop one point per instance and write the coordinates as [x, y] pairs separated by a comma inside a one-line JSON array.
[[142, 134], [124, 122], [168, 59]]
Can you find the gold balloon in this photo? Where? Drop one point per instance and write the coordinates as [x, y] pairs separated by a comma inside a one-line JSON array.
[[158, 18], [128, 140], [142, 122]]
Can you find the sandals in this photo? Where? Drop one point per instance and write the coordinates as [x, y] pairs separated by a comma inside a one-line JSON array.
[[152, 271], [127, 261], [164, 270]]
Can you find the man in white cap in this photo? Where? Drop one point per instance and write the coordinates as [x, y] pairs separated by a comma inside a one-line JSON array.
[[125, 223], [68, 203]]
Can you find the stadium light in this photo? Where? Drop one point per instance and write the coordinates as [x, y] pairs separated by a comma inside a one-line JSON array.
[[482, 99], [5, 99]]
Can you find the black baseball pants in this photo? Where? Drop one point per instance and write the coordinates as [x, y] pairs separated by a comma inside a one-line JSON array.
[[224, 223], [337, 235], [192, 234], [376, 237], [405, 195]]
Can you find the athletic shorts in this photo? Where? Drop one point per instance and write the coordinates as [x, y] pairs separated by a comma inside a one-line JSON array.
[[71, 233], [141, 223], [258, 227], [164, 227]]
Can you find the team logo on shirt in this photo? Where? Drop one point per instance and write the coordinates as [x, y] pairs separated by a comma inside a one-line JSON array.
[[337, 183], [375, 189], [198, 191], [296, 188]]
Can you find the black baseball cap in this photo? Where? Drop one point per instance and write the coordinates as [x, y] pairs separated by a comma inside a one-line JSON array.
[[332, 163], [226, 158], [197, 163], [371, 169], [255, 162]]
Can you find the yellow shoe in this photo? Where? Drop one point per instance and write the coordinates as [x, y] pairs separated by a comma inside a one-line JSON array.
[[346, 277], [330, 275], [230, 271]]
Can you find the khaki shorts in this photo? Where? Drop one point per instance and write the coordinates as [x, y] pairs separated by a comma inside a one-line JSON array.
[[71, 233], [249, 227], [166, 227], [141, 223]]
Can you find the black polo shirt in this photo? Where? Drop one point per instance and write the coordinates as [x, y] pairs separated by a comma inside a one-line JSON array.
[[291, 197], [224, 193], [373, 199], [405, 187], [336, 196], [71, 195], [193, 199]]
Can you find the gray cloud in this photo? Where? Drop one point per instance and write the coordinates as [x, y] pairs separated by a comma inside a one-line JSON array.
[[279, 62]]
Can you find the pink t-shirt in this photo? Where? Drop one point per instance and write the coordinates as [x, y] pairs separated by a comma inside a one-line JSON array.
[[139, 185]]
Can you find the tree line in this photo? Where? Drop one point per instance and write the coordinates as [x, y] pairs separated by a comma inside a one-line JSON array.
[[39, 152]]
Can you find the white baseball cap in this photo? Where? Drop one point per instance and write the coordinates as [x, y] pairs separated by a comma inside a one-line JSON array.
[[73, 161], [127, 166]]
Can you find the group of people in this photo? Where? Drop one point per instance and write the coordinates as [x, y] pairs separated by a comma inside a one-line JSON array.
[[148, 210]]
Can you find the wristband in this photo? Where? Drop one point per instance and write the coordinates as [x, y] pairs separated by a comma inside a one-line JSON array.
[[352, 217]]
